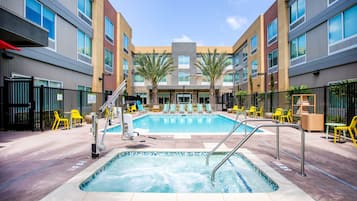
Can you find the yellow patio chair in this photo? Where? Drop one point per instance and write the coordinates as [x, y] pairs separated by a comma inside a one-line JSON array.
[[235, 109], [350, 128], [132, 108], [288, 117], [75, 115], [252, 111], [58, 120], [278, 112], [259, 113]]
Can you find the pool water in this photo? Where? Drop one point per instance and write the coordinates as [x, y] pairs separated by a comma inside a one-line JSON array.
[[185, 124], [177, 172]]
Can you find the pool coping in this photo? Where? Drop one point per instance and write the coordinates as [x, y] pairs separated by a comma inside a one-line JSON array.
[[70, 190], [142, 131]]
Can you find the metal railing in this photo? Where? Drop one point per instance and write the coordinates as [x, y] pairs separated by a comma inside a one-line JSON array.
[[231, 132], [245, 139]]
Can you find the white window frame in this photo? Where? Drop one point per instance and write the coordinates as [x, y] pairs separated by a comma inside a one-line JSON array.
[[41, 25], [254, 50], [274, 36], [343, 39], [275, 66], [105, 33], [297, 19], [85, 15], [183, 66]]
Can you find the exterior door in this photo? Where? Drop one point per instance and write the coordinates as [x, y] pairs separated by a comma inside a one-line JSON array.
[[184, 98], [19, 104]]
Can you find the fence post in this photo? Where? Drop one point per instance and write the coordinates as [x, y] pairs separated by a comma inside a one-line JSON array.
[[80, 101], [325, 105], [41, 107], [32, 106]]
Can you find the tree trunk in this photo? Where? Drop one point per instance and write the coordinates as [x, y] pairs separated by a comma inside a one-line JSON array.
[[212, 96], [154, 93]]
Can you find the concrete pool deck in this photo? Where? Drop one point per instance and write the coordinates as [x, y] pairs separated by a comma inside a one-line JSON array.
[[33, 164]]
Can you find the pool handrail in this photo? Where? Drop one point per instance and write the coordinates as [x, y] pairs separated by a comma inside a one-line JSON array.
[[246, 138], [231, 132]]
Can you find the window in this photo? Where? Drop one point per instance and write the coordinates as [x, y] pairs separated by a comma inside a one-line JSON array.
[[125, 43], [343, 25], [138, 78], [330, 2], [236, 77], [245, 74], [125, 68], [253, 44], [236, 59], [228, 77], [272, 31], [108, 61], [163, 81], [245, 53], [254, 68], [183, 61], [109, 30], [85, 8], [297, 10], [84, 46], [41, 16], [143, 98], [298, 46], [184, 78], [273, 61]]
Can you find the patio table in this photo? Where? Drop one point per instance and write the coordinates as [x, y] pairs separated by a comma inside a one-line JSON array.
[[334, 125]]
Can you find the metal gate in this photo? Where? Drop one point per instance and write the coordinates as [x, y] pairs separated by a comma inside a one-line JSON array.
[[19, 104]]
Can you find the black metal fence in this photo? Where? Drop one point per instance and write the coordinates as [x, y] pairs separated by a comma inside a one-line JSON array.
[[338, 102]]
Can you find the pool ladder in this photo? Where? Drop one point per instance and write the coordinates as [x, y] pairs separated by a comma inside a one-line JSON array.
[[246, 138]]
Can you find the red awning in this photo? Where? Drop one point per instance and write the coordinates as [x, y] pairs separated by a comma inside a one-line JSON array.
[[5, 45]]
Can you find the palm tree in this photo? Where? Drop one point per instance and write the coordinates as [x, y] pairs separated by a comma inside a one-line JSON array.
[[154, 67], [212, 66]]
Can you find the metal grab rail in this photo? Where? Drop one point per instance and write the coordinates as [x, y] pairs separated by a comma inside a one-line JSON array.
[[213, 174], [231, 132]]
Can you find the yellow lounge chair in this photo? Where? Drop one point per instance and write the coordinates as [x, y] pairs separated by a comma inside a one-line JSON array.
[[58, 120], [288, 117], [252, 111], [259, 113], [352, 126], [235, 109], [132, 108], [278, 112], [75, 115]]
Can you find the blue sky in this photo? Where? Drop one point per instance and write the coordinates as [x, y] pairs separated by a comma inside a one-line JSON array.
[[206, 22]]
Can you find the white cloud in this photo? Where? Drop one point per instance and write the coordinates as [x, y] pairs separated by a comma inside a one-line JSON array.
[[236, 22], [185, 38]]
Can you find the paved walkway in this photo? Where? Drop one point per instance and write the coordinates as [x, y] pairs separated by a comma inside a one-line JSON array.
[[32, 164]]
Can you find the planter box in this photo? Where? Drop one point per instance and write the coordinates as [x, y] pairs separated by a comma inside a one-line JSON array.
[[312, 122]]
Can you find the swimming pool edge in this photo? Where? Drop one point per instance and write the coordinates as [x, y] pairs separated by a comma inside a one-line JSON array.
[[70, 190]]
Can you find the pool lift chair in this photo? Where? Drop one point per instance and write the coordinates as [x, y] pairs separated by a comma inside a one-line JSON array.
[[109, 106]]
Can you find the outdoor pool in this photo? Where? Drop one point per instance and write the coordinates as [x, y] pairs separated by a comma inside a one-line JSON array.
[[177, 172], [184, 124]]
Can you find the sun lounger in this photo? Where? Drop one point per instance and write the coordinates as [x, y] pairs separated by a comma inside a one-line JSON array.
[[173, 108], [189, 108], [208, 108], [155, 108], [166, 108], [199, 108], [182, 108]]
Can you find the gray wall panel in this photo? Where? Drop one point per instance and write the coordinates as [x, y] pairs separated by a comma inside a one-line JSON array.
[[70, 5], [51, 57], [348, 71], [316, 43], [29, 67], [335, 60], [314, 7], [16, 6], [186, 49], [66, 39]]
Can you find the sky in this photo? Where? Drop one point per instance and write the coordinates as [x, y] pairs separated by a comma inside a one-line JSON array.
[[206, 22]]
